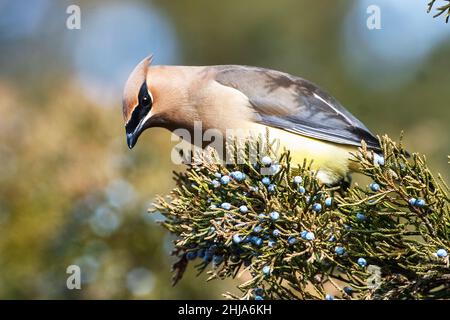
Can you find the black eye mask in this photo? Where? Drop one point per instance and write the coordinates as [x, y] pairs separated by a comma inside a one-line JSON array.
[[142, 109]]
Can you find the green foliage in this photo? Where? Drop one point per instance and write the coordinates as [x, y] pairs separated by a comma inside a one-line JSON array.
[[368, 243], [444, 9]]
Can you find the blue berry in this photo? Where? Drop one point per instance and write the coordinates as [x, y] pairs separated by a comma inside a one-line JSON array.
[[213, 206], [420, 203], [297, 179], [276, 233], [261, 216], [257, 229], [259, 298], [271, 188], [217, 259], [207, 257], [201, 253], [217, 175], [191, 255], [266, 270], [237, 239], [272, 243], [225, 206], [215, 183], [362, 262], [317, 207], [238, 176], [378, 159], [441, 253], [266, 160], [303, 234], [243, 209], [301, 190], [348, 290], [375, 187], [307, 199], [265, 181], [254, 188], [309, 236], [339, 251], [274, 215], [292, 240], [360, 216], [259, 291], [257, 241], [275, 168], [412, 201], [225, 180], [328, 202], [329, 297]]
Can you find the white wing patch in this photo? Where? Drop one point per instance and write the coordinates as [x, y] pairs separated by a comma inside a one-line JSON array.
[[332, 107]]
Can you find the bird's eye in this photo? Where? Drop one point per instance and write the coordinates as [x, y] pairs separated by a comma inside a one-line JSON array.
[[145, 101], [144, 98], [142, 109]]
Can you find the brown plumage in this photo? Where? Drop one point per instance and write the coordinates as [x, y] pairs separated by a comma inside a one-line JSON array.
[[308, 121]]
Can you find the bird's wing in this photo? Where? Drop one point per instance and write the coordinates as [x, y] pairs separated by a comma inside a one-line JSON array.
[[296, 105]]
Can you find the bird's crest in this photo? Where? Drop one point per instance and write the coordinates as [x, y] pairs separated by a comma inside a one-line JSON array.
[[132, 86]]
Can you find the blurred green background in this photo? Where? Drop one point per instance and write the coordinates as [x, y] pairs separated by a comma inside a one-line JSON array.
[[70, 190]]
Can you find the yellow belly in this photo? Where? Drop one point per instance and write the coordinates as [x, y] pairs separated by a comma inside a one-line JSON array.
[[331, 161]]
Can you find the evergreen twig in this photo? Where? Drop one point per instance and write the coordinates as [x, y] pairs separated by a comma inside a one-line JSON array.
[[388, 241]]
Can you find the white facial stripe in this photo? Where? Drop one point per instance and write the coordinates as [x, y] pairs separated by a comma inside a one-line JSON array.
[[148, 116], [143, 121], [150, 93]]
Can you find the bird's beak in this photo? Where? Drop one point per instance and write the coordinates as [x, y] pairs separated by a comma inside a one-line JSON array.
[[132, 139]]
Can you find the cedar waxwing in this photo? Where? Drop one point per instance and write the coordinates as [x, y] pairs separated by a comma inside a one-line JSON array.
[[305, 119]]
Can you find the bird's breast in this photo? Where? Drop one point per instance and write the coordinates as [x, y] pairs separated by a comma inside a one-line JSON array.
[[332, 161]]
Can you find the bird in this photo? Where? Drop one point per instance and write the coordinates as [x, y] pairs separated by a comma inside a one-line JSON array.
[[306, 120]]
